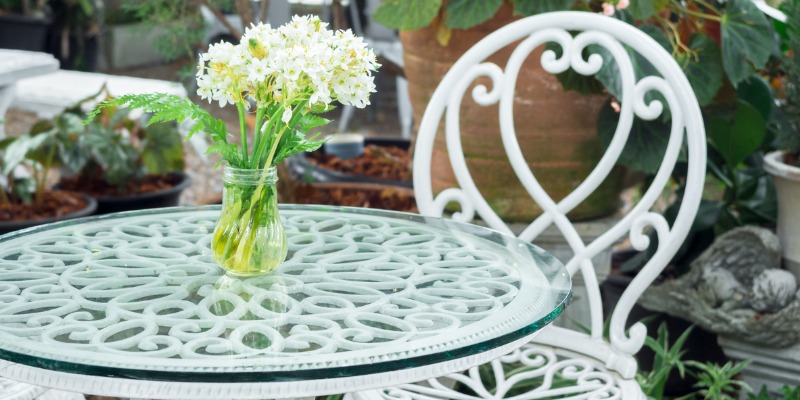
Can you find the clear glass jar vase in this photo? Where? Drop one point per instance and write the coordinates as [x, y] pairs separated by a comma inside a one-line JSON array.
[[249, 238]]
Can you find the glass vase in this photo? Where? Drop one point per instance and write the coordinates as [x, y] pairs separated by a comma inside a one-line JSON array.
[[249, 238]]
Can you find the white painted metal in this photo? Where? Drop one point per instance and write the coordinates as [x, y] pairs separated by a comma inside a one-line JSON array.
[[613, 366], [395, 296]]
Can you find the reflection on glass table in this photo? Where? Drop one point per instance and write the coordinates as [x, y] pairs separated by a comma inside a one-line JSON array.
[[133, 304]]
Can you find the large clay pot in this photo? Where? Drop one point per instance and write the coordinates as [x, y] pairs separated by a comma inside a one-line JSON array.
[[556, 129]]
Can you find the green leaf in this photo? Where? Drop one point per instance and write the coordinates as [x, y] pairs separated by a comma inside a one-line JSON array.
[[18, 150], [407, 14], [162, 149], [747, 40], [527, 8], [646, 145], [738, 138], [464, 14], [756, 92], [309, 121], [702, 67], [230, 154], [644, 9], [293, 142], [610, 75], [114, 154]]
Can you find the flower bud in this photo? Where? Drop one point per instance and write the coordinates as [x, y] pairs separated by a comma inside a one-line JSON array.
[[256, 49]]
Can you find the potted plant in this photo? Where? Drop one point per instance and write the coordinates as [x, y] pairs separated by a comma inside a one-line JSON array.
[[784, 164], [720, 46], [25, 200], [117, 160], [24, 24], [130, 41]]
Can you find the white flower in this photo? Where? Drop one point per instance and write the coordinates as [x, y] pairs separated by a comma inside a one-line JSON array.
[[299, 62], [287, 115]]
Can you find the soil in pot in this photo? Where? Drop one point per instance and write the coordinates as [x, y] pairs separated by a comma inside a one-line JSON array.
[[151, 191], [377, 162], [378, 178], [58, 205]]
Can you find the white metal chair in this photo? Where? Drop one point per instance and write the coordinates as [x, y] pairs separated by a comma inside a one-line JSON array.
[[597, 367]]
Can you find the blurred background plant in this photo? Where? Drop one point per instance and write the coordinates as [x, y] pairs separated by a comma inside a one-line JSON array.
[[113, 152]]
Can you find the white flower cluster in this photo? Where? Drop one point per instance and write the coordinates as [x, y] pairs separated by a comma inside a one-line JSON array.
[[299, 62]]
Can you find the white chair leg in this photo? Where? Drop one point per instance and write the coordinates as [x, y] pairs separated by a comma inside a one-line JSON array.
[[344, 120], [404, 110]]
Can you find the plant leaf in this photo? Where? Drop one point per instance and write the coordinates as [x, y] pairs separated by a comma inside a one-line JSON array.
[[464, 14], [407, 14], [527, 8], [18, 150], [702, 67], [646, 145], [162, 149], [642, 10], [738, 138], [756, 92], [747, 40], [609, 75], [293, 142]]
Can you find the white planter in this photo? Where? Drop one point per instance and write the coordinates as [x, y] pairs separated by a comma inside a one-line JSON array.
[[787, 186], [133, 45]]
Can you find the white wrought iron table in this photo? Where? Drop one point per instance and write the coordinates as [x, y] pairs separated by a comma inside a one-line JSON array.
[[133, 304]]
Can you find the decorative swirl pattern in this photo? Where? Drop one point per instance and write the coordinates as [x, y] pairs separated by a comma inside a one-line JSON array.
[[142, 292], [541, 372]]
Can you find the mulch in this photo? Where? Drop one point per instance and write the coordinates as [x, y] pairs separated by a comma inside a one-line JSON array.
[[56, 204]]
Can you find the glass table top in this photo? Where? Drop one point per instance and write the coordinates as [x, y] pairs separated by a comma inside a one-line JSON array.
[[138, 295]]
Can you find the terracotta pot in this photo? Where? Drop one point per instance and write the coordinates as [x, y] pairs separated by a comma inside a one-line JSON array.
[[787, 187], [556, 129]]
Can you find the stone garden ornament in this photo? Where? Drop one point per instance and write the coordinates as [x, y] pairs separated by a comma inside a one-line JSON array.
[[736, 288]]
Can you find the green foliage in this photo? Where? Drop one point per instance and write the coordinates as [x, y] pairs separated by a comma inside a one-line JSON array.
[[113, 147], [179, 20], [467, 13], [667, 358], [787, 392], [407, 14], [25, 150], [747, 39], [788, 138], [715, 382], [166, 107]]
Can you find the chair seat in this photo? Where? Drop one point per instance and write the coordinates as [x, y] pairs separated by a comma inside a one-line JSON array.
[[532, 372], [12, 390]]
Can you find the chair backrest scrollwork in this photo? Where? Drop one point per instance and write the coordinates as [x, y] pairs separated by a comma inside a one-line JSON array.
[[573, 32]]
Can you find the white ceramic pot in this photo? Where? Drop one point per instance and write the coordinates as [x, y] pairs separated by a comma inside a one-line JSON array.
[[787, 186]]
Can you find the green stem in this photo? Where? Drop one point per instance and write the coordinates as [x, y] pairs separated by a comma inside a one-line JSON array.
[[242, 130], [258, 134], [262, 145], [702, 15], [274, 147]]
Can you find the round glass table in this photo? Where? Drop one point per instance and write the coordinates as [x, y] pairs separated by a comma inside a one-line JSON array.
[[133, 304]]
